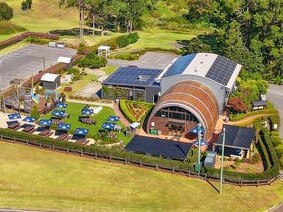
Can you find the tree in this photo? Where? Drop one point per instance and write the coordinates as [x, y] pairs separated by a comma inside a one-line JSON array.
[[6, 12], [24, 6], [236, 105], [34, 112]]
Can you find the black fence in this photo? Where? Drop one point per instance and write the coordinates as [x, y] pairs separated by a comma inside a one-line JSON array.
[[129, 161]]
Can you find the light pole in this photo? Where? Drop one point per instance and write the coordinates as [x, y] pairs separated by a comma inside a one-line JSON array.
[[198, 140], [1, 87], [222, 161]]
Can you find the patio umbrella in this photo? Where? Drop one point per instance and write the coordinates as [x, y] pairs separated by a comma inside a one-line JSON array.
[[202, 143], [29, 119], [64, 126], [81, 131], [61, 105], [14, 116], [195, 130], [45, 123], [87, 112], [108, 126], [113, 118], [58, 113]]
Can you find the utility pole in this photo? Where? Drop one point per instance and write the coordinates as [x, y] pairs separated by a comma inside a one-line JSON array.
[[2, 92], [198, 140], [222, 162]]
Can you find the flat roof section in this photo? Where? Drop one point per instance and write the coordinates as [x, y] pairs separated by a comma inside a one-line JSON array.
[[237, 137], [131, 76], [159, 147]]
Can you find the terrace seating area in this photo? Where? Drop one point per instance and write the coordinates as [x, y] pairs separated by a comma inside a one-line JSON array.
[[87, 120]]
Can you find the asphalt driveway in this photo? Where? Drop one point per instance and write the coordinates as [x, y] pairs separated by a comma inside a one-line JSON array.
[[275, 95]]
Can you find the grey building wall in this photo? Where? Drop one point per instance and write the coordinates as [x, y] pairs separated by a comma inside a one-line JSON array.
[[152, 93], [221, 93], [51, 85]]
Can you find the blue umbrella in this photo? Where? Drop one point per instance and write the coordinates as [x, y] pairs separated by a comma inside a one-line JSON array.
[[58, 113], [108, 126], [64, 126], [61, 105], [45, 123], [202, 143], [14, 116], [29, 119], [113, 118], [81, 131], [87, 112], [195, 130]]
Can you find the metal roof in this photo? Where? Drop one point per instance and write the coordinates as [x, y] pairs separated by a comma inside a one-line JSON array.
[[159, 147], [237, 137], [213, 66], [49, 77], [131, 76], [64, 60]]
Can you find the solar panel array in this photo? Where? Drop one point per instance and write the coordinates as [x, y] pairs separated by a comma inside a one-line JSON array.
[[221, 70], [179, 66], [159, 147], [133, 76]]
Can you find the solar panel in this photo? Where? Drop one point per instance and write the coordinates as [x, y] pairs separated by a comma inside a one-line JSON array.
[[130, 76], [159, 147], [179, 65], [221, 70]]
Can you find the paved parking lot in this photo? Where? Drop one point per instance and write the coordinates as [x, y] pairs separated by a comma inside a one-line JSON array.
[[29, 60], [152, 60]]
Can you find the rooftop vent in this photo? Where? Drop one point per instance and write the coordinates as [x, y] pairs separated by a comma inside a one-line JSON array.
[[143, 78]]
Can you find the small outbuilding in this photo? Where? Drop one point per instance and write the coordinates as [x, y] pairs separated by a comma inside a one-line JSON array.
[[50, 81], [104, 51], [239, 142], [259, 105], [65, 60]]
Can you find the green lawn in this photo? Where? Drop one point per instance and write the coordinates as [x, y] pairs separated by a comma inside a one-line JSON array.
[[74, 109], [37, 179]]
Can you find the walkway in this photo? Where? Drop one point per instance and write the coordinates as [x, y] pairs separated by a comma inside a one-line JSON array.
[[119, 113], [275, 95], [104, 104]]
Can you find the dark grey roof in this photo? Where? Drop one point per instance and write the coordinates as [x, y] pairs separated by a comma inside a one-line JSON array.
[[237, 137], [131, 76], [259, 103], [221, 70], [159, 147]]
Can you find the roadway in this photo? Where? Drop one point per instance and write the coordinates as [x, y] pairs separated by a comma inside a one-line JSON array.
[[275, 95]]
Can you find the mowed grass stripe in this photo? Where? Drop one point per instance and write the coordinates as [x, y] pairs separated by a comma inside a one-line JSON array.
[[32, 178]]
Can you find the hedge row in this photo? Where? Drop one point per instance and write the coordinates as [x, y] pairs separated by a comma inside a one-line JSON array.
[[278, 144], [268, 156], [237, 117], [125, 111], [95, 149], [22, 36]]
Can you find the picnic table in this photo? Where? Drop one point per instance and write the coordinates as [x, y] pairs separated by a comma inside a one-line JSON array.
[[46, 133], [64, 137], [30, 128]]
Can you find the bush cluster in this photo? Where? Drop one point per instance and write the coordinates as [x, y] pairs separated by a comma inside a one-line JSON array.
[[126, 112], [92, 61], [37, 40], [126, 40], [278, 144], [99, 150]]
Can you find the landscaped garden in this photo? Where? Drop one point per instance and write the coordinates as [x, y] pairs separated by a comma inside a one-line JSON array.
[[74, 110]]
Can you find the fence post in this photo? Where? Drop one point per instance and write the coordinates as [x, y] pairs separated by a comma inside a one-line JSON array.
[[40, 145], [156, 167], [125, 161], [95, 155], [110, 158], [26, 141], [173, 170], [189, 172], [1, 136], [67, 150], [52, 146], [205, 176], [140, 164], [257, 183], [14, 138], [82, 153]]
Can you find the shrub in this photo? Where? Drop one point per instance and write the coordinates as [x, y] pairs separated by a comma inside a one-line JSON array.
[[92, 61], [36, 40], [6, 12], [35, 113], [133, 37], [126, 112], [122, 41], [7, 28]]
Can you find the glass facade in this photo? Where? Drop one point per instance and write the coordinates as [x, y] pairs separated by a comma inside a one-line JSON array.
[[176, 113]]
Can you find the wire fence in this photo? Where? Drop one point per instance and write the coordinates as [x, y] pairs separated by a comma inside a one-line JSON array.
[[129, 161]]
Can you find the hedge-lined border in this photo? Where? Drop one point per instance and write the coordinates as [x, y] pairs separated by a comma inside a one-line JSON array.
[[253, 113], [116, 155]]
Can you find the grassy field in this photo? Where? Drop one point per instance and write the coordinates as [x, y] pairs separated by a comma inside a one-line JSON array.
[[37, 179], [74, 109]]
